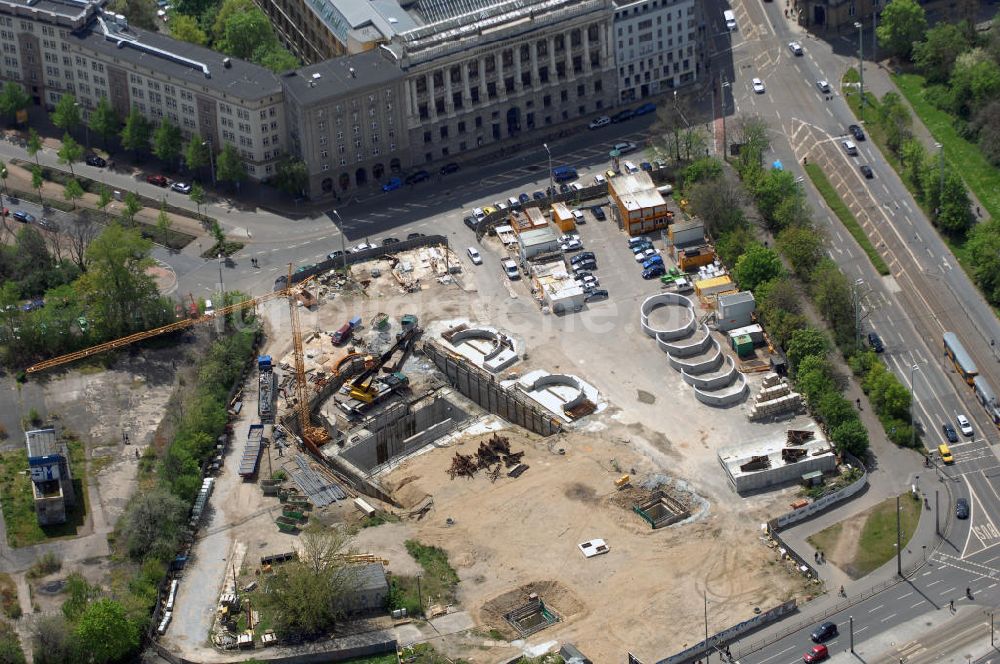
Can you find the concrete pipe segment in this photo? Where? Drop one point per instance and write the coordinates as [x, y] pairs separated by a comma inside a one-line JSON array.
[[682, 305], [562, 379]]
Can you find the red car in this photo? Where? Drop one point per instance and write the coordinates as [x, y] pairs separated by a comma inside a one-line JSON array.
[[816, 654], [158, 180]]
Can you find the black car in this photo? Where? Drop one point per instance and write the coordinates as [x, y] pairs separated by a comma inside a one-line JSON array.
[[23, 217], [449, 168], [414, 236], [824, 632], [856, 132], [538, 195], [623, 116], [598, 213], [867, 171], [48, 224], [962, 508], [646, 166], [524, 198], [949, 433], [94, 160], [563, 188], [585, 266], [470, 222], [389, 240], [419, 176], [334, 255], [596, 294], [875, 342], [579, 258]]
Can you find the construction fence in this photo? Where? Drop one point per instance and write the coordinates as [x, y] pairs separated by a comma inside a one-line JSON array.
[[484, 389]]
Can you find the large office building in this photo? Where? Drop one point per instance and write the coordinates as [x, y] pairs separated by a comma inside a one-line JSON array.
[[657, 46], [54, 47]]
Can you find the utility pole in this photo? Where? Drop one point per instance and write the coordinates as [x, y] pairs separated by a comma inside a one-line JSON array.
[[991, 629], [343, 245], [940, 148], [851, 619], [861, 65], [913, 393], [937, 522], [552, 184], [856, 300], [874, 39], [723, 84], [705, 595], [899, 546]]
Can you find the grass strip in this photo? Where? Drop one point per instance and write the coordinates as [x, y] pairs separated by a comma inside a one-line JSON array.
[[843, 213]]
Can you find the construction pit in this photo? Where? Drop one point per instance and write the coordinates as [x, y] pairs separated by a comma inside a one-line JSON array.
[[675, 529]]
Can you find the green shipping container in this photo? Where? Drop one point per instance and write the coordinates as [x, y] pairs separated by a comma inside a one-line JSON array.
[[743, 345]]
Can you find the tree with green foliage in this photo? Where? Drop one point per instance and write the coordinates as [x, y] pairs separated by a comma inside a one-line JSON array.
[[835, 301], [37, 180], [196, 154], [123, 296], [901, 24], [104, 633], [814, 378], [803, 247], [228, 9], [73, 191], [733, 244], [104, 200], [935, 55], [136, 133], [104, 121], [132, 207], [895, 119], [245, 32], [10, 646], [706, 168], [13, 98], [153, 524], [70, 152], [79, 593], [756, 266], [197, 196], [163, 223], [66, 114], [275, 57], [229, 166], [912, 155], [983, 250], [305, 598], [291, 176], [216, 230], [34, 145], [975, 81], [805, 342], [955, 208], [140, 13], [771, 190], [186, 29], [168, 143], [51, 640], [851, 437], [834, 409]]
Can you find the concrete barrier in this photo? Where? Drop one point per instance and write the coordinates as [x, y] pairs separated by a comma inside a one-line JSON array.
[[690, 347], [702, 364], [727, 396], [714, 381]]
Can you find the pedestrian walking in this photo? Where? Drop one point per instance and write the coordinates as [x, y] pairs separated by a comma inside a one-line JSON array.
[[858, 401]]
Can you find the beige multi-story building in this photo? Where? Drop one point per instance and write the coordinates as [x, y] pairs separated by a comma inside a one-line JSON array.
[[55, 47], [656, 46]]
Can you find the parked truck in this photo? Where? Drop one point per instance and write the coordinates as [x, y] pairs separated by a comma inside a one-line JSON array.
[[251, 452], [267, 389]]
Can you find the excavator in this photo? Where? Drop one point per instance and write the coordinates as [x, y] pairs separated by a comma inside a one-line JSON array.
[[367, 387]]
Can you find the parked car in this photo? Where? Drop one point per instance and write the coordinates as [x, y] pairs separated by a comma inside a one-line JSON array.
[[563, 188], [875, 342], [757, 85], [364, 246], [602, 121], [389, 240], [597, 294], [524, 198], [867, 171], [419, 176], [962, 508], [471, 223], [158, 180], [182, 187], [963, 425], [625, 147], [622, 116], [579, 258], [849, 147], [638, 239], [474, 256], [447, 169], [654, 272], [24, 217], [795, 48], [598, 213], [538, 195], [824, 632], [653, 260], [588, 265], [823, 85], [646, 166], [644, 255], [608, 174], [575, 186], [646, 108], [578, 217], [334, 255], [949, 433], [48, 224], [488, 210], [510, 269], [392, 185], [94, 160], [572, 244], [414, 236], [816, 654], [856, 132]]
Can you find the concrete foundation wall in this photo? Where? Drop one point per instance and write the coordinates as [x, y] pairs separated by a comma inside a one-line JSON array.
[[731, 395], [714, 381], [562, 379], [667, 299], [701, 365], [784, 474], [689, 347]]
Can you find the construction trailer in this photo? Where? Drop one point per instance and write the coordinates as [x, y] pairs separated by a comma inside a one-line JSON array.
[[267, 389]]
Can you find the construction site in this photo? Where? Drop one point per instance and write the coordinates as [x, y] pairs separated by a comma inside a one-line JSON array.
[[567, 483]]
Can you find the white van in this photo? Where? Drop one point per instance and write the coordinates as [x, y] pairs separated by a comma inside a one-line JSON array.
[[630, 167], [730, 19]]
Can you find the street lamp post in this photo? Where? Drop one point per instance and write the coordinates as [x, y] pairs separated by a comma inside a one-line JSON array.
[[343, 245], [86, 127], [940, 148], [861, 64], [899, 546], [913, 426], [851, 619], [552, 184], [723, 84], [211, 158]]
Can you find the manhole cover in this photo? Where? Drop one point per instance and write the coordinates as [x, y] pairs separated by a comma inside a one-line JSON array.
[[52, 587], [646, 397]]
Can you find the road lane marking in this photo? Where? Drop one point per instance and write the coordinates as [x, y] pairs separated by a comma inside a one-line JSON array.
[[905, 596], [876, 608], [933, 582], [889, 617], [917, 604]]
